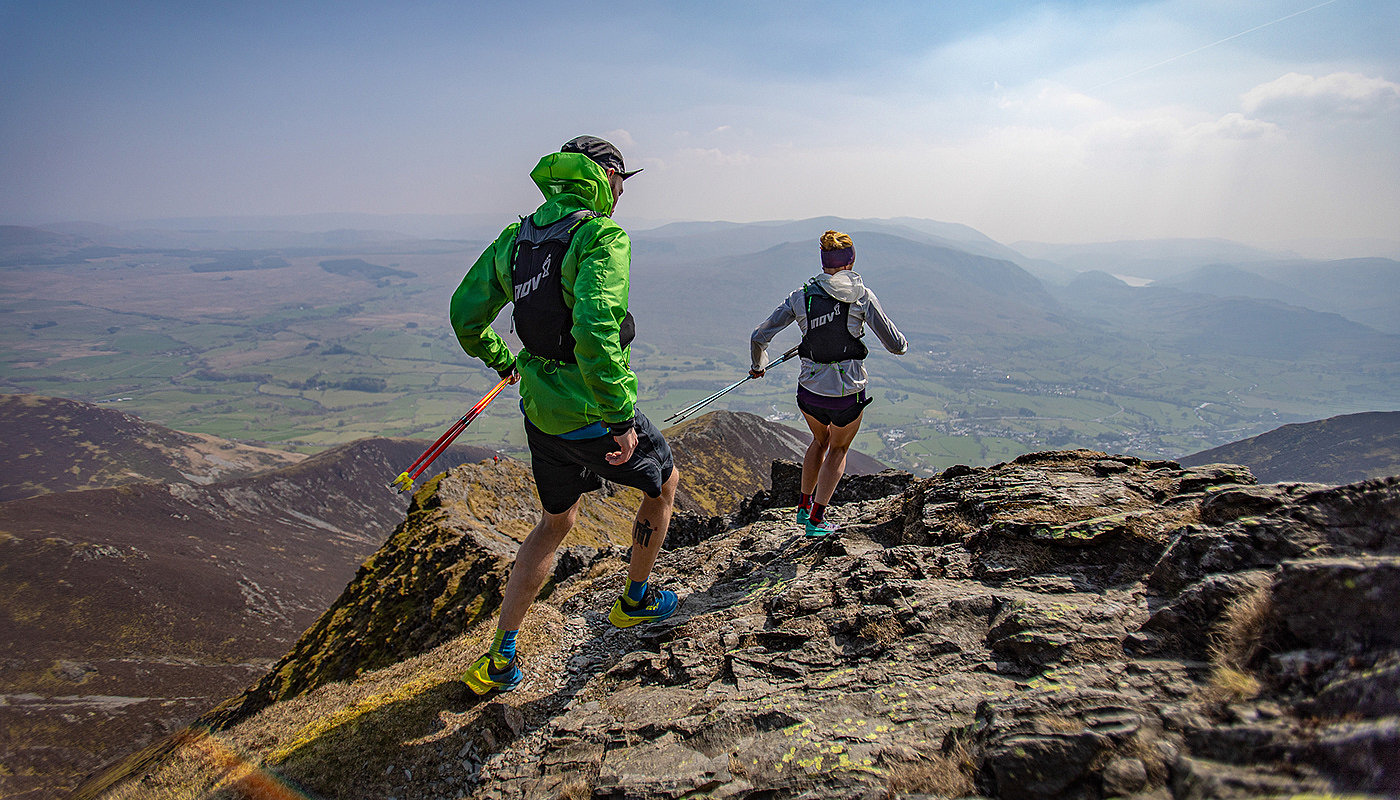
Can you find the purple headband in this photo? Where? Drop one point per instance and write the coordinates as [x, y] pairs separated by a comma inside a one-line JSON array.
[[832, 259]]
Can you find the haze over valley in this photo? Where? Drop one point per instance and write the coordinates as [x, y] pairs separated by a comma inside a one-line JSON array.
[[305, 340]]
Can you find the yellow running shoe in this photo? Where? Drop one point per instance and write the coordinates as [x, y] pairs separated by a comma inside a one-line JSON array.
[[483, 677], [656, 605]]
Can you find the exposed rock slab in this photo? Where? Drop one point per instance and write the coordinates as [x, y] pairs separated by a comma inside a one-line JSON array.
[[1030, 630]]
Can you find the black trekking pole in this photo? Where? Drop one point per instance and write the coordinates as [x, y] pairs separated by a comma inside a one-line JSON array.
[[694, 407]]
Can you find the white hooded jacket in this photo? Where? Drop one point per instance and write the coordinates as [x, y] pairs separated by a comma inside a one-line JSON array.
[[844, 377]]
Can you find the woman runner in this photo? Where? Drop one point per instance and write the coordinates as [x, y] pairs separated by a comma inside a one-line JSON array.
[[831, 310]]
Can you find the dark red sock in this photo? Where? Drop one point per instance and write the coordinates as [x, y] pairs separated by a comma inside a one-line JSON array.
[[818, 512], [805, 502]]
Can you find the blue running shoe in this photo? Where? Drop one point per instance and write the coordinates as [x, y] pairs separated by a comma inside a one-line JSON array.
[[817, 530], [656, 605], [483, 677], [803, 514]]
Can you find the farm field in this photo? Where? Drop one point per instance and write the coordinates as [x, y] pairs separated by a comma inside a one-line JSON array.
[[302, 356]]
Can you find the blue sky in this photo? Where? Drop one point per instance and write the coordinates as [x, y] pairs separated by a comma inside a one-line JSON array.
[[1264, 121]]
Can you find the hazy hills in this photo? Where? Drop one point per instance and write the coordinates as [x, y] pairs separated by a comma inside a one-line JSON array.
[[1339, 450], [1009, 353], [1232, 325], [56, 445], [1361, 289], [1153, 259]]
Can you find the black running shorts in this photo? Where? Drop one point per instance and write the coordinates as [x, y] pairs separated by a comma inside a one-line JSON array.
[[854, 406], [566, 468]]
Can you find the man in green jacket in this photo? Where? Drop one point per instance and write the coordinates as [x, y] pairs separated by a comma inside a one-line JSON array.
[[565, 268]]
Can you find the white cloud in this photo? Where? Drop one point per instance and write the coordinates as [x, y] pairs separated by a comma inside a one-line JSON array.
[[1341, 93], [620, 138]]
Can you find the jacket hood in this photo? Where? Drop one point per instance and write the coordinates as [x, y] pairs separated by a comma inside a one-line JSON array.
[[845, 285], [576, 175]]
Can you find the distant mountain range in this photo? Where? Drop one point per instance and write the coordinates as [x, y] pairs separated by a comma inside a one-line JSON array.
[[1010, 351], [1364, 290], [1339, 450]]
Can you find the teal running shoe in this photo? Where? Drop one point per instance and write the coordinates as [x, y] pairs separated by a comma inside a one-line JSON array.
[[803, 514], [482, 677], [656, 605], [817, 530]]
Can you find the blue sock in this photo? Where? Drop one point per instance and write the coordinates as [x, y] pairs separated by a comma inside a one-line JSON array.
[[503, 647], [636, 591]]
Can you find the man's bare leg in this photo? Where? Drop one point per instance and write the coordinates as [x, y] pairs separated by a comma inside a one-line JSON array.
[[649, 531], [534, 562]]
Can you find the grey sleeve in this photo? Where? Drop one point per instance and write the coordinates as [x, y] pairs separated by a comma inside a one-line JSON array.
[[781, 317], [883, 327]]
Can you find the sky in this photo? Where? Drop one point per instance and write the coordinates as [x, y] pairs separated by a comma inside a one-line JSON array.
[[1261, 121]]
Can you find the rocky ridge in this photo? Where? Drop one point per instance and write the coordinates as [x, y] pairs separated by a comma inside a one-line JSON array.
[[725, 456], [1069, 625], [54, 445]]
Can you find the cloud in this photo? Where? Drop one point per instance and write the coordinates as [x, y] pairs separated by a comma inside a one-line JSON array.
[[620, 138], [1341, 93]]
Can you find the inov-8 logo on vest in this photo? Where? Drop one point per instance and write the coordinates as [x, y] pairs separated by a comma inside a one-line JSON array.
[[524, 289], [817, 322]]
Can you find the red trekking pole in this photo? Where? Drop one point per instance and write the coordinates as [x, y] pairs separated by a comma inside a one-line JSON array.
[[405, 480]]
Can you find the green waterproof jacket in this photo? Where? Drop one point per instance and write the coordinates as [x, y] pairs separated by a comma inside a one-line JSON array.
[[559, 397]]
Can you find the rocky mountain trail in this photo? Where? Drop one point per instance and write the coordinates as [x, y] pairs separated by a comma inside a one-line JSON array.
[[1067, 625]]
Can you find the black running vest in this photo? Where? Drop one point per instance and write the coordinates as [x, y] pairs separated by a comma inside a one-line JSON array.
[[542, 319], [828, 339]]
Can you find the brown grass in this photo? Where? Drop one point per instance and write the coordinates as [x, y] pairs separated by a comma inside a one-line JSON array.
[[1239, 637], [886, 631], [942, 774], [576, 789], [1237, 640]]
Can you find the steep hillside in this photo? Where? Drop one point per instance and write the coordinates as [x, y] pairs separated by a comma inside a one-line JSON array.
[[1070, 625], [1240, 327], [1364, 290], [1341, 449], [57, 445], [128, 611], [725, 457]]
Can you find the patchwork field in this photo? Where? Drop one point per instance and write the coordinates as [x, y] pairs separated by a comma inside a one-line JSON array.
[[282, 350]]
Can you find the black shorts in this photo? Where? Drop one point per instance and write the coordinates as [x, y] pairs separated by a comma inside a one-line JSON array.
[[566, 468], [840, 417]]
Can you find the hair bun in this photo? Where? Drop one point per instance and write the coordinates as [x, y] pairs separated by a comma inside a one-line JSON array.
[[836, 240]]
